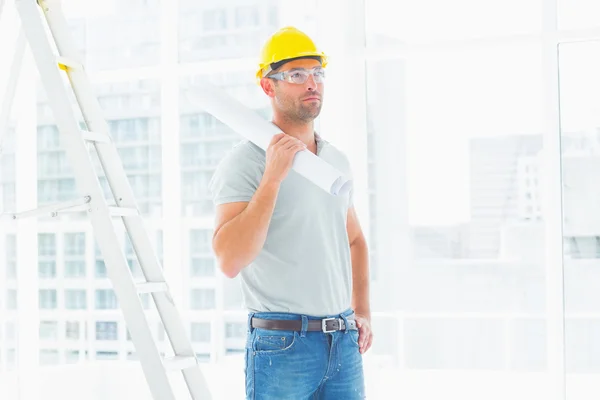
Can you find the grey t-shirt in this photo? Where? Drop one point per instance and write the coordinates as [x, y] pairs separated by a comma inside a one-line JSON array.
[[304, 266]]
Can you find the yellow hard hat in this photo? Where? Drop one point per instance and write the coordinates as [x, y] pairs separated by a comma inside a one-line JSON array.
[[286, 44]]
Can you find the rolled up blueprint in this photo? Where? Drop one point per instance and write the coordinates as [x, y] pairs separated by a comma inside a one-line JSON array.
[[258, 130]]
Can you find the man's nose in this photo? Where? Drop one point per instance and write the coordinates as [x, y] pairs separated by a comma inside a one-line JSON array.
[[310, 82]]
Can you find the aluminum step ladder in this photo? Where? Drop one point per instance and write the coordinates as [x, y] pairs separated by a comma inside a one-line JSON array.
[[46, 29]]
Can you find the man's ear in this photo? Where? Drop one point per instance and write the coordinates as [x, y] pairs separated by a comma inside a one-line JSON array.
[[267, 87]]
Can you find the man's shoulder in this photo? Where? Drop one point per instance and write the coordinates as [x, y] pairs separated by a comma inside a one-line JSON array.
[[335, 156], [242, 154]]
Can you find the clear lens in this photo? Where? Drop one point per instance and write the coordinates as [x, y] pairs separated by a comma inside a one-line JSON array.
[[300, 76]]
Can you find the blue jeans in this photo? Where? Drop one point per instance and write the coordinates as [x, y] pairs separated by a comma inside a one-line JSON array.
[[302, 365]]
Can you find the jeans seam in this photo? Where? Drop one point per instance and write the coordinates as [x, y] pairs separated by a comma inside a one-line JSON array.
[[253, 377]]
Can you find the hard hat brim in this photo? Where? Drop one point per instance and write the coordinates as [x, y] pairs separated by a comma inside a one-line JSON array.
[[275, 64]]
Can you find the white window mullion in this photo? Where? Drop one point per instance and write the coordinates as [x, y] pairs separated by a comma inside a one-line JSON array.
[[27, 260], [552, 207]]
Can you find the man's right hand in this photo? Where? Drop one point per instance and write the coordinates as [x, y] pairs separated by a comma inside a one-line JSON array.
[[280, 156]]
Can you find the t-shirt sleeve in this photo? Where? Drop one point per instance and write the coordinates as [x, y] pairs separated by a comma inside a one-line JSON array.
[[236, 178]]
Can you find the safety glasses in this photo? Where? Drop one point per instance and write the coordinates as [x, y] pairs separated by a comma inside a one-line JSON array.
[[300, 75]]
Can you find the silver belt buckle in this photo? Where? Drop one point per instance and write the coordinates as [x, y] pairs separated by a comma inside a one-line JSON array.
[[324, 325]]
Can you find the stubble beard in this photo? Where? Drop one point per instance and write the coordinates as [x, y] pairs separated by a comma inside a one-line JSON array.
[[300, 111], [308, 112]]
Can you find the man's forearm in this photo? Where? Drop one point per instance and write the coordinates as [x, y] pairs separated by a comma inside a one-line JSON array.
[[238, 242], [360, 276]]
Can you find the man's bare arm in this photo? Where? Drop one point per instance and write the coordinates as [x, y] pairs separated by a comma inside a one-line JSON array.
[[360, 276], [360, 266], [241, 227]]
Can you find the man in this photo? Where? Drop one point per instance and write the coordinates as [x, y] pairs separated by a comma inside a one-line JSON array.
[[300, 252]]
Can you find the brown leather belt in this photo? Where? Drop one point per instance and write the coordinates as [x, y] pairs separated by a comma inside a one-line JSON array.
[[324, 325]]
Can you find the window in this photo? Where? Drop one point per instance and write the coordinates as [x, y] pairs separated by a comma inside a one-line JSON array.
[[11, 355], [74, 269], [11, 247], [437, 20], [246, 16], [46, 244], [235, 330], [66, 189], [107, 355], [11, 299], [11, 331], [48, 137], [75, 299], [106, 299], [195, 184], [47, 300], [578, 14], [53, 164], [213, 20], [48, 330], [155, 183], [72, 330], [7, 162], [75, 244], [8, 195], [273, 16], [203, 266], [106, 330], [200, 241], [47, 269], [48, 357], [203, 299], [200, 332], [71, 356], [11, 256]]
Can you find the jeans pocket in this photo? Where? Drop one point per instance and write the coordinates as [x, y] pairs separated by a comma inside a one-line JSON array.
[[273, 342], [354, 336]]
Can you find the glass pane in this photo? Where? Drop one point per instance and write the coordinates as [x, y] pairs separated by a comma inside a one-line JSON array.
[[74, 244], [119, 34], [578, 14], [106, 330], [7, 171], [202, 299], [204, 139], [200, 331], [580, 136], [454, 134], [211, 30], [405, 21], [48, 330], [11, 256], [132, 109]]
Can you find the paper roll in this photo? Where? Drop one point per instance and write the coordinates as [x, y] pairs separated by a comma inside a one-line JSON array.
[[258, 130]]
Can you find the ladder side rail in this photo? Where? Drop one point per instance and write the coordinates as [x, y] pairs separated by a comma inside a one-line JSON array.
[[88, 182], [117, 180]]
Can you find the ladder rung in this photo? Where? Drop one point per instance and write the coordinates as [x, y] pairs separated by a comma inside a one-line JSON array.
[[178, 363], [64, 63], [95, 137], [151, 287], [77, 205], [123, 212]]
